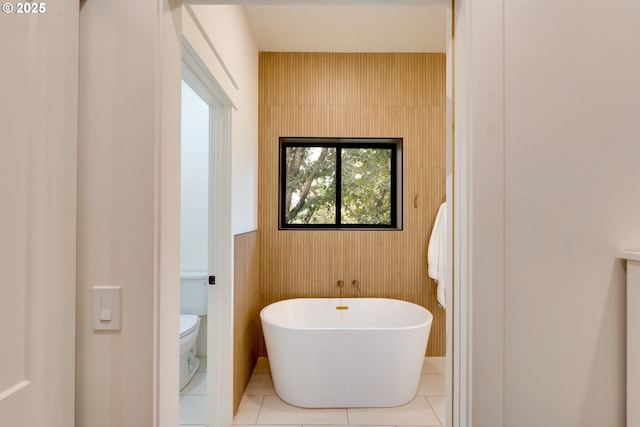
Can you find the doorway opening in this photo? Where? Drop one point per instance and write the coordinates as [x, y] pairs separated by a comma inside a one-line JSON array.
[[194, 253], [205, 242]]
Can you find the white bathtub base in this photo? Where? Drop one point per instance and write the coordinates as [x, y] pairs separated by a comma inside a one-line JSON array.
[[349, 364]]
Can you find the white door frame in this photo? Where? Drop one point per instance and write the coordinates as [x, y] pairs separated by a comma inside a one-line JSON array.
[[220, 295], [478, 243]]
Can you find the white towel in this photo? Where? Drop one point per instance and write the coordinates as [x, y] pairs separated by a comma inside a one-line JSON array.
[[437, 255]]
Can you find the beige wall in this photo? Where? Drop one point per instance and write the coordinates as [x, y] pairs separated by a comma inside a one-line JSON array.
[[355, 95], [566, 180], [129, 73], [572, 200]]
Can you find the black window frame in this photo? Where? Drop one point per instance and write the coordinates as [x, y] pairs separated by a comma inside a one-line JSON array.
[[395, 144]]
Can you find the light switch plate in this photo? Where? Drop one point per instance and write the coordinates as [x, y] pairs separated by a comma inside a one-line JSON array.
[[107, 303]]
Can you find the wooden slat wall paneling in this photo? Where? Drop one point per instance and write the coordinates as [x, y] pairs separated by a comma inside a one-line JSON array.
[[247, 305], [354, 95]]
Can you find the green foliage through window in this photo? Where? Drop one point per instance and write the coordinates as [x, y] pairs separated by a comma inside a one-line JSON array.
[[340, 183]]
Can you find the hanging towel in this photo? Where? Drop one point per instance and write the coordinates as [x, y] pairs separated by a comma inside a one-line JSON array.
[[437, 254]]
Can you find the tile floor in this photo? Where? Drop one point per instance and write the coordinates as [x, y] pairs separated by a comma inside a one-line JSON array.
[[260, 405], [193, 398]]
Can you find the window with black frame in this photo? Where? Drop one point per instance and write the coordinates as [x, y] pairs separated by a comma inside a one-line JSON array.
[[340, 183]]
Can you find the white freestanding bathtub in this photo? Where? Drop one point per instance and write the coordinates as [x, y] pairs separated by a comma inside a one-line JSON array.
[[346, 352]]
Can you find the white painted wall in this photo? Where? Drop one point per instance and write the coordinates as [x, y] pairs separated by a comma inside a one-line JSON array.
[[222, 38], [549, 213]]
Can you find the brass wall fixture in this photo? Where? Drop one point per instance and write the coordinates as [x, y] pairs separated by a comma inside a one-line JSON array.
[[356, 284]]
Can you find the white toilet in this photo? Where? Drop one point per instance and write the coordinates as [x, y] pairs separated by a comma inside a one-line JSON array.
[[189, 363], [193, 305]]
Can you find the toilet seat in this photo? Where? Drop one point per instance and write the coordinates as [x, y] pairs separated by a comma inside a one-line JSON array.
[[188, 324]]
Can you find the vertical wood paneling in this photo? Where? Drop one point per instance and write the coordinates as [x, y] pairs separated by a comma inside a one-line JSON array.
[[247, 305], [354, 95]]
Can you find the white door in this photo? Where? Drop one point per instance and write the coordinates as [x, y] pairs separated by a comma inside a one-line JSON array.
[[38, 148]]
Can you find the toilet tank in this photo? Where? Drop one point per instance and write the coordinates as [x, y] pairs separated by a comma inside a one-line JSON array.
[[193, 293]]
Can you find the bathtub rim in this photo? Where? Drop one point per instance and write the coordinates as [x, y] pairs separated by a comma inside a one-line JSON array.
[[344, 301]]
